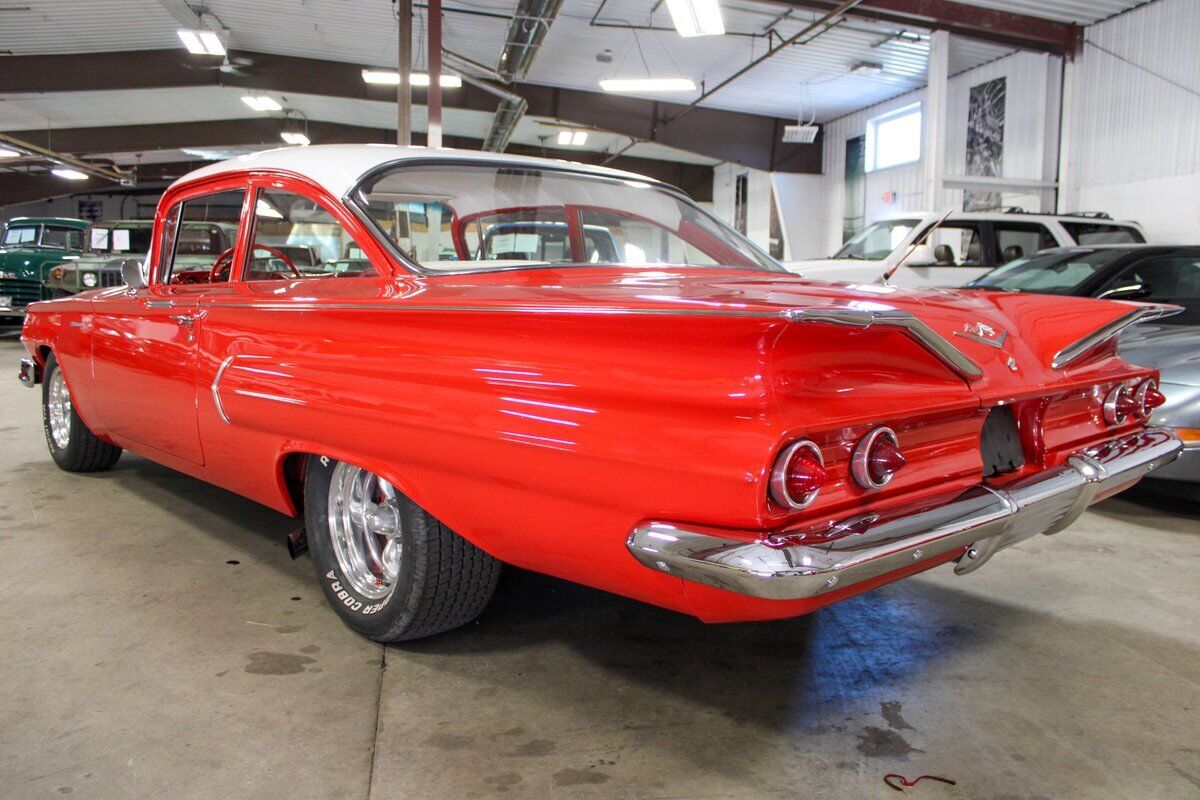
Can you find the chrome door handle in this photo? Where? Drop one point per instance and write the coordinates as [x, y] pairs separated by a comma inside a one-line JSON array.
[[186, 320]]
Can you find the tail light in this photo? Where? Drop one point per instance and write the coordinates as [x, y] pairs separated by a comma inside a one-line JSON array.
[[798, 475], [1148, 398], [1124, 402], [876, 459]]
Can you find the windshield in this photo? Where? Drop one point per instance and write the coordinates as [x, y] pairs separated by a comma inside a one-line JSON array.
[[1058, 272], [120, 240], [876, 242], [21, 234], [480, 217]]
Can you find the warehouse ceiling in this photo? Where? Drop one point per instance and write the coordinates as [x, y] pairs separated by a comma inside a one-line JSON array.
[[308, 55]]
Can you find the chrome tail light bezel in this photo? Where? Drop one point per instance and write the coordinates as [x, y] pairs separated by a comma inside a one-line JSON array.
[[860, 468], [777, 488], [1141, 394], [1112, 413]]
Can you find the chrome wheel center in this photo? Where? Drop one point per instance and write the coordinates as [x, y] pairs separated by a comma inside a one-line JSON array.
[[365, 528], [58, 410]]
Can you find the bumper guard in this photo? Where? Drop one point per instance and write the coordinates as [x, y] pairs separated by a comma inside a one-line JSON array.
[[981, 521]]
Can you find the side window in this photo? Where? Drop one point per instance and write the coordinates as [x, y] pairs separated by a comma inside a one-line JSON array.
[[957, 245], [1169, 279], [69, 239], [199, 238], [1102, 233], [295, 237], [1018, 240]]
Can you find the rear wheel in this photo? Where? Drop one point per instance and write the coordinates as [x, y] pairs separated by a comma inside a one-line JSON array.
[[390, 569], [72, 445]]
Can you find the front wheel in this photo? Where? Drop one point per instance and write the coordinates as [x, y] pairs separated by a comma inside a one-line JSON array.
[[390, 569], [72, 445]]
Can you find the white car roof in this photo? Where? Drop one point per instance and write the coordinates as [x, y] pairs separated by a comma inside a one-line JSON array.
[[338, 167]]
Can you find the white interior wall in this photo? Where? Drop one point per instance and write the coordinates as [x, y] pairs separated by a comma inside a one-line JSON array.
[[1030, 143], [1133, 146], [758, 200], [801, 202]]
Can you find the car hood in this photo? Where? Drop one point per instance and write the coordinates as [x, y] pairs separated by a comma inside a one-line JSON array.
[[1013, 338], [1174, 350]]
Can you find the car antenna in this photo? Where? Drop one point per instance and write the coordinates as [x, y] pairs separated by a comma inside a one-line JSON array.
[[920, 240]]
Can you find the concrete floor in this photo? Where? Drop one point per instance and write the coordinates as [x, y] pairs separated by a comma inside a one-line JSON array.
[[156, 641]]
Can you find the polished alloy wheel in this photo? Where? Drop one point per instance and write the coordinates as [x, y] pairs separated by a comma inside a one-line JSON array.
[[58, 408], [365, 526]]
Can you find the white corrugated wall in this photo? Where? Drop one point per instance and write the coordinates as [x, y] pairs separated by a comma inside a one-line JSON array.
[[1134, 137], [1030, 141]]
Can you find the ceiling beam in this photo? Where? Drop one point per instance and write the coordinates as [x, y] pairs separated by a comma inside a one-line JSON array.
[[183, 13], [1010, 28], [23, 187], [749, 139]]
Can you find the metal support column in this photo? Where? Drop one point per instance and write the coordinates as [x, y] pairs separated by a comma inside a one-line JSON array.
[[434, 138], [404, 67]]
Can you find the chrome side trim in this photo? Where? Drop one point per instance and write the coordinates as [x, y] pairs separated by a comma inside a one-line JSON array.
[[936, 344], [216, 385], [1144, 313], [979, 523]]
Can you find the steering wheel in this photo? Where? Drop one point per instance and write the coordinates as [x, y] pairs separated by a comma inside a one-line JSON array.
[[224, 263]]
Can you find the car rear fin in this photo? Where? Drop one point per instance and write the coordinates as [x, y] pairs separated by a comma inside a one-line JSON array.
[[1072, 353], [936, 344]]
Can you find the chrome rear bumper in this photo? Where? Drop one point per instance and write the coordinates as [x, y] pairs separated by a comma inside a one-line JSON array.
[[983, 520]]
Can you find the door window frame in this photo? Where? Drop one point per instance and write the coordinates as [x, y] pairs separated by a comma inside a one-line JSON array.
[[259, 182], [171, 204]]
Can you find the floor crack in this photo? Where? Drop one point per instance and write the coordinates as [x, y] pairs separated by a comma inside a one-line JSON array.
[[375, 737]]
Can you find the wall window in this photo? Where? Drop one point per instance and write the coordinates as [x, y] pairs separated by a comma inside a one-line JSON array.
[[894, 138]]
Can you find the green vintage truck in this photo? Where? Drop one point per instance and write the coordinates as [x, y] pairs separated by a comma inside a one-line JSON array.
[[29, 248]]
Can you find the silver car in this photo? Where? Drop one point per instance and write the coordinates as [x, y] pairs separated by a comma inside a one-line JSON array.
[[1153, 273]]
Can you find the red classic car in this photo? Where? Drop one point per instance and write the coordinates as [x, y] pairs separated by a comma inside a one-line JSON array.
[[579, 371]]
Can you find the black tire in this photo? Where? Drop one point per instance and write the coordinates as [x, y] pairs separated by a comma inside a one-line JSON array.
[[84, 451], [444, 581]]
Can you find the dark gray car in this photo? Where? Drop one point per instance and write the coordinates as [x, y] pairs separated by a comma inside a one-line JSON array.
[[1151, 273]]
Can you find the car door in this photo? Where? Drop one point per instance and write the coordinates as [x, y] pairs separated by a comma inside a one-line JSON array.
[[145, 350]]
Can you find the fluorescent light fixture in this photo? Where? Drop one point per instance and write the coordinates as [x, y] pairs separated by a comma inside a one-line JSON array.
[[696, 17], [6, 153], [292, 137], [70, 174], [385, 77], [262, 103], [573, 138], [201, 43], [648, 85]]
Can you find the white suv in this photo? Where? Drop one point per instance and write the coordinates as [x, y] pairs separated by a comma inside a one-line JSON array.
[[962, 247]]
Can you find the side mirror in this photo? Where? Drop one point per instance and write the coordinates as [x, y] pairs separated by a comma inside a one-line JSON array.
[[131, 273], [1131, 291], [921, 256]]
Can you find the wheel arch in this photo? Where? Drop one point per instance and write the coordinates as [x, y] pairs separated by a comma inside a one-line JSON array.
[[291, 470]]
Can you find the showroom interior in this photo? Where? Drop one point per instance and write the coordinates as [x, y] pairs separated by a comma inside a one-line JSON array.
[[162, 635]]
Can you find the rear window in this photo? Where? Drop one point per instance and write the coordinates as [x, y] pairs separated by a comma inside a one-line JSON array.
[[1103, 233]]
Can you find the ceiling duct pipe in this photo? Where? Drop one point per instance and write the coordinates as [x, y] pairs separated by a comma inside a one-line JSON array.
[[530, 23]]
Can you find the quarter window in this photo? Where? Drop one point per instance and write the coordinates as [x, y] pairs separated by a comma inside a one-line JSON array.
[[1102, 233]]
